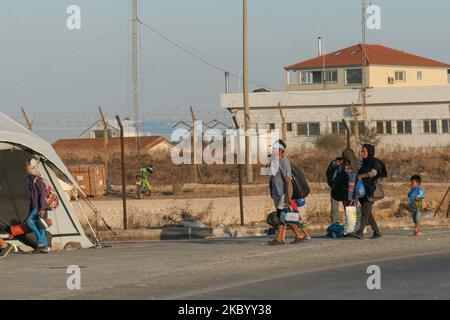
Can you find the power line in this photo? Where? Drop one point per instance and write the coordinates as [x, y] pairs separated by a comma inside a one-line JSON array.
[[287, 33], [316, 16], [194, 55]]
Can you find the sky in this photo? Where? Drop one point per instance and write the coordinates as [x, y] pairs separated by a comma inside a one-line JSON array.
[[60, 76]]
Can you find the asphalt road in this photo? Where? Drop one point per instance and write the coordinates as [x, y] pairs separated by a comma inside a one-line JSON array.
[[240, 269]]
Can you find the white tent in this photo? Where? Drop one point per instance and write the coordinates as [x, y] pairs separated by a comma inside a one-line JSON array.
[[17, 144]]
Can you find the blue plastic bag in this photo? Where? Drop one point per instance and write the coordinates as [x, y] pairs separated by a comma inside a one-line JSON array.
[[360, 190]]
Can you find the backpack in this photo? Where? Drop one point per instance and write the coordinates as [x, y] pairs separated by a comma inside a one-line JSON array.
[[300, 187], [330, 173], [380, 165], [51, 197], [339, 190], [336, 230]]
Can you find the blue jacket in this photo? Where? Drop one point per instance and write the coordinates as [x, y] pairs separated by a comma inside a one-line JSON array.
[[413, 195]]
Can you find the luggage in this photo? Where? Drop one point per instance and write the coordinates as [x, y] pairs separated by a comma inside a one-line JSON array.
[[290, 217], [272, 220], [336, 230], [352, 218], [300, 187]]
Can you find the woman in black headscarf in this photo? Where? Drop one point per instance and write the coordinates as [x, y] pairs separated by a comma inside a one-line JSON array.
[[369, 172]]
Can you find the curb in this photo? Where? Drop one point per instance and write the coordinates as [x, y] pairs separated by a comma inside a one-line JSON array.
[[237, 232]]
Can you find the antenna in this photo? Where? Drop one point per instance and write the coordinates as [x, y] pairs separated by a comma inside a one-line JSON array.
[[134, 64]]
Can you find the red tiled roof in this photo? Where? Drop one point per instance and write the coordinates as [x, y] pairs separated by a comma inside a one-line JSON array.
[[376, 55], [113, 143]]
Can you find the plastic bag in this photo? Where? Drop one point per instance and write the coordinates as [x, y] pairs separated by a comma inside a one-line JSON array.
[[360, 190]]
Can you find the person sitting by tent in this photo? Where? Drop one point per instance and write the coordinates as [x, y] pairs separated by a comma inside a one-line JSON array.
[[5, 248], [38, 205]]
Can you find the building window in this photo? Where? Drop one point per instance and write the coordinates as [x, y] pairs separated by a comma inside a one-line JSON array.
[[311, 77], [430, 126], [302, 129], [314, 129], [330, 76], [380, 127], [400, 76], [289, 127], [361, 127], [315, 77], [384, 127], [271, 126], [353, 76], [446, 126], [308, 129], [404, 127], [337, 128], [419, 75]]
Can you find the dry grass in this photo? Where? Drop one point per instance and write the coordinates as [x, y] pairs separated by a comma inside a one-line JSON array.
[[432, 164]]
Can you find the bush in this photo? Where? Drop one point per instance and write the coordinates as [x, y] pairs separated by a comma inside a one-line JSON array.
[[331, 142], [371, 136]]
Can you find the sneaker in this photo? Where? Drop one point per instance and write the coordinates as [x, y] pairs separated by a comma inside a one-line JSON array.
[[5, 251], [298, 240], [41, 251], [275, 243], [356, 235]]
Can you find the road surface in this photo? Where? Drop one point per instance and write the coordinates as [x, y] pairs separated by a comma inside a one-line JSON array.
[[243, 269]]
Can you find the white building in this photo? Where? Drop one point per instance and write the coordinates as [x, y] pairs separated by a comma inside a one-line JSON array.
[[408, 98]]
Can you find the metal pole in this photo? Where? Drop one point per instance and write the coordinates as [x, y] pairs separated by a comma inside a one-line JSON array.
[[105, 138], [442, 202], [356, 126], [134, 70], [241, 192], [246, 96], [27, 121], [124, 183]]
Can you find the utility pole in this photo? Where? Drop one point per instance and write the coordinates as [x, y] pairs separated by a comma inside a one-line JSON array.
[[364, 64], [249, 167], [105, 138], [134, 69], [355, 114], [283, 124], [27, 121]]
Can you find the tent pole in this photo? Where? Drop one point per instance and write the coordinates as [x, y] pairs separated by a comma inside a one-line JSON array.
[[97, 241]]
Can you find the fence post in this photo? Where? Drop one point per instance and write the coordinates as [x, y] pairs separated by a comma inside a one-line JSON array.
[[124, 184], [241, 192]]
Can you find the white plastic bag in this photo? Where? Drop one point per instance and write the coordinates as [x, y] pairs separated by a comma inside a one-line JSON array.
[[352, 218]]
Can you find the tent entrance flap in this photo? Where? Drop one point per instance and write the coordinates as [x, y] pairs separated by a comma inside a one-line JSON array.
[[14, 205]]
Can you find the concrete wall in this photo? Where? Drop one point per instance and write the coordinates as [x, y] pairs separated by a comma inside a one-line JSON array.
[[430, 77], [261, 117]]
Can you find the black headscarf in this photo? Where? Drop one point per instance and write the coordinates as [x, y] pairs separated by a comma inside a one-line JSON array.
[[369, 162]]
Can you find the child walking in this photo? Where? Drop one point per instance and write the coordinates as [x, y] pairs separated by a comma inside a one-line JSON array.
[[416, 196]]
